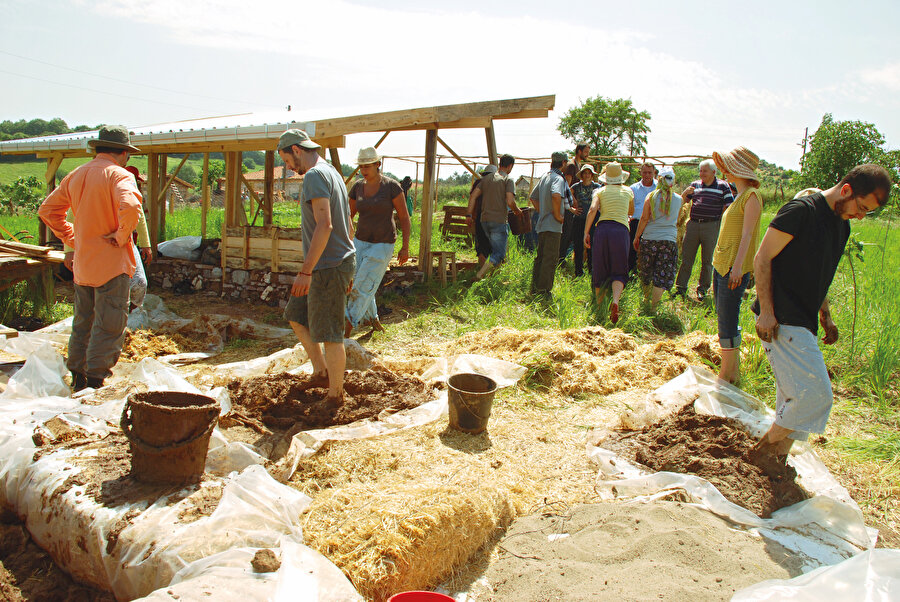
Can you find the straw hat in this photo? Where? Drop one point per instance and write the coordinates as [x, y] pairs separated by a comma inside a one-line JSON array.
[[587, 166], [367, 156], [612, 173], [741, 163]]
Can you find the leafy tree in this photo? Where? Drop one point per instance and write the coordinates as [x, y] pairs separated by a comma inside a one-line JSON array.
[[838, 146], [610, 126], [249, 163], [187, 173], [24, 195], [216, 171]]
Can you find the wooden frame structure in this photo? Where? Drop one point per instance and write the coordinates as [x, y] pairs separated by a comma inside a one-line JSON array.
[[245, 134]]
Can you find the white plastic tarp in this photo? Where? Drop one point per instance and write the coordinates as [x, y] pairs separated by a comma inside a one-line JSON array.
[[822, 530], [872, 576]]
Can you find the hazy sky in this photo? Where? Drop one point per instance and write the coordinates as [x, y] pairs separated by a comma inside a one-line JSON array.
[[712, 74]]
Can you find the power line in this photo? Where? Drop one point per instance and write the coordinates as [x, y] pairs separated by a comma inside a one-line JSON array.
[[47, 81], [132, 83]]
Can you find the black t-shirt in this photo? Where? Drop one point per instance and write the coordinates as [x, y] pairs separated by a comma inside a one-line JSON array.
[[803, 271]]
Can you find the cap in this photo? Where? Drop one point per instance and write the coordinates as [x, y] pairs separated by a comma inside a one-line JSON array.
[[298, 137]]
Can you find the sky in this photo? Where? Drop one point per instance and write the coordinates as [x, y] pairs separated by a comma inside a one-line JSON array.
[[713, 75]]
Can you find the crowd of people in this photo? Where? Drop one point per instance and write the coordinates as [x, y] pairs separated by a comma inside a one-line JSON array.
[[619, 231]]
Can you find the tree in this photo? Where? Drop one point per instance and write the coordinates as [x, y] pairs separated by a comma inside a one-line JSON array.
[[610, 126], [23, 196], [838, 146]]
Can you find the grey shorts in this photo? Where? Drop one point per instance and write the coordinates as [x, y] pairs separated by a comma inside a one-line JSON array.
[[322, 309], [803, 396]]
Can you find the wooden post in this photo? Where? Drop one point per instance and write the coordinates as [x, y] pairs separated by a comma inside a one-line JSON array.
[[153, 196], [335, 159], [204, 196], [229, 210], [164, 192], [491, 143], [240, 213], [44, 233], [269, 188], [428, 193]]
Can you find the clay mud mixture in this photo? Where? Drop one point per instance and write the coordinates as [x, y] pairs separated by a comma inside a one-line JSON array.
[[146, 343], [713, 448], [286, 401]]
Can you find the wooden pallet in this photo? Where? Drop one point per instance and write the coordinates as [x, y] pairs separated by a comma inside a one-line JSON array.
[[455, 225]]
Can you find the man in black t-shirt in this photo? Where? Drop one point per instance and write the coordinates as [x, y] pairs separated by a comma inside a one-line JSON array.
[[794, 267]]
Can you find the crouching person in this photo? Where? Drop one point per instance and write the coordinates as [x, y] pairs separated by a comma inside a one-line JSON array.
[[315, 310]]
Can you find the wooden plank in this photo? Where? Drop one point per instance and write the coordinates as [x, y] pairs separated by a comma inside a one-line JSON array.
[[204, 195], [428, 193], [52, 166], [265, 244], [152, 192], [265, 232], [491, 144], [163, 189], [21, 248], [269, 187], [246, 246], [525, 114], [253, 197]]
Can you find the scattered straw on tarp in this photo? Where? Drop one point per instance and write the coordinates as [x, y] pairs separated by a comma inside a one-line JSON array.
[[146, 343], [591, 360], [406, 537]]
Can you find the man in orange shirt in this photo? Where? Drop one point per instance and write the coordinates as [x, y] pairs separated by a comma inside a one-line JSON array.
[[105, 203]]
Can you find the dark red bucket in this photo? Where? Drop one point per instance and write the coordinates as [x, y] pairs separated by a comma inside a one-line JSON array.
[[419, 597], [520, 224]]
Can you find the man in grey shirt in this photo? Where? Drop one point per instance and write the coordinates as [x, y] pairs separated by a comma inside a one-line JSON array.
[[319, 294], [547, 198]]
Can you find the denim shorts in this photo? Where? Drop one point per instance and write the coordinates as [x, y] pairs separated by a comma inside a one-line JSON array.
[[728, 309], [803, 395], [321, 310]]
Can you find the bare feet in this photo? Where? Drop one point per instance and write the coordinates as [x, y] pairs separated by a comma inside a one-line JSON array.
[[348, 328], [318, 380]]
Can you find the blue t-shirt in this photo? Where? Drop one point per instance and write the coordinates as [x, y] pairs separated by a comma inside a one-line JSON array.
[[551, 183], [323, 181], [662, 226], [640, 194], [584, 195]]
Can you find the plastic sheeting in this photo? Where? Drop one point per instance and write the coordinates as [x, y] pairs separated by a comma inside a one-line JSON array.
[[822, 530], [872, 576], [156, 552]]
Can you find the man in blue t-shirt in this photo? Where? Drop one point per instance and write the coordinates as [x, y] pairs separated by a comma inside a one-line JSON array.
[[319, 294], [641, 189], [709, 196], [794, 267], [547, 200]]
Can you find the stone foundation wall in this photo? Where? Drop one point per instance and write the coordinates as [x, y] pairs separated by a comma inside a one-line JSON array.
[[260, 286]]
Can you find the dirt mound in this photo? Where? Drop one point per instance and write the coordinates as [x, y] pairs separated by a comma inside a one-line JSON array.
[[591, 360], [716, 449], [28, 573], [146, 343], [283, 401]]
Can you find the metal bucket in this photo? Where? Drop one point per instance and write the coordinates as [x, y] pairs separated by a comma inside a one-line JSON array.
[[470, 397], [168, 433]]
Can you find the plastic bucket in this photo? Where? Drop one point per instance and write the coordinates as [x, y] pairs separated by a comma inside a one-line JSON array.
[[168, 433], [470, 397], [419, 597], [520, 224]]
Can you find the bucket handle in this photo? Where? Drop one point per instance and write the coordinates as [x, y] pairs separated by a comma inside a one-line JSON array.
[[126, 425], [471, 410]]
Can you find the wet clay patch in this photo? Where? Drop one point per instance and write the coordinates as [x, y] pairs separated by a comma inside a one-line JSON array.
[[146, 343], [713, 448], [286, 401]]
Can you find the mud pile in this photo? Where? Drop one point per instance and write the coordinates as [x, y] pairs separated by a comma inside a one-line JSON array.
[[285, 401], [146, 343], [716, 449]]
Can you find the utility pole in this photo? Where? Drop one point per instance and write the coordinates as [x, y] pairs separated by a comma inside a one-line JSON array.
[[803, 144]]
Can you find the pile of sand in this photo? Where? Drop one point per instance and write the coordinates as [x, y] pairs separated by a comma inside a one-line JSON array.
[[591, 360], [614, 551]]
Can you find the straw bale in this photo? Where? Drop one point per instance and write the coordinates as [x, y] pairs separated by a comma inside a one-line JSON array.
[[407, 537], [147, 343], [591, 360]]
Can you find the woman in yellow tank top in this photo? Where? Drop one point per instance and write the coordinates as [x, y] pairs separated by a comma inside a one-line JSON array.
[[735, 250]]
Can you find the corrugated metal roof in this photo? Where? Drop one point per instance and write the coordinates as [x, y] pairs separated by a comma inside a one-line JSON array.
[[247, 126]]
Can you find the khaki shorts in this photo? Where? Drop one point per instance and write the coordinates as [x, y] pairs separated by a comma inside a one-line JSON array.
[[322, 309]]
